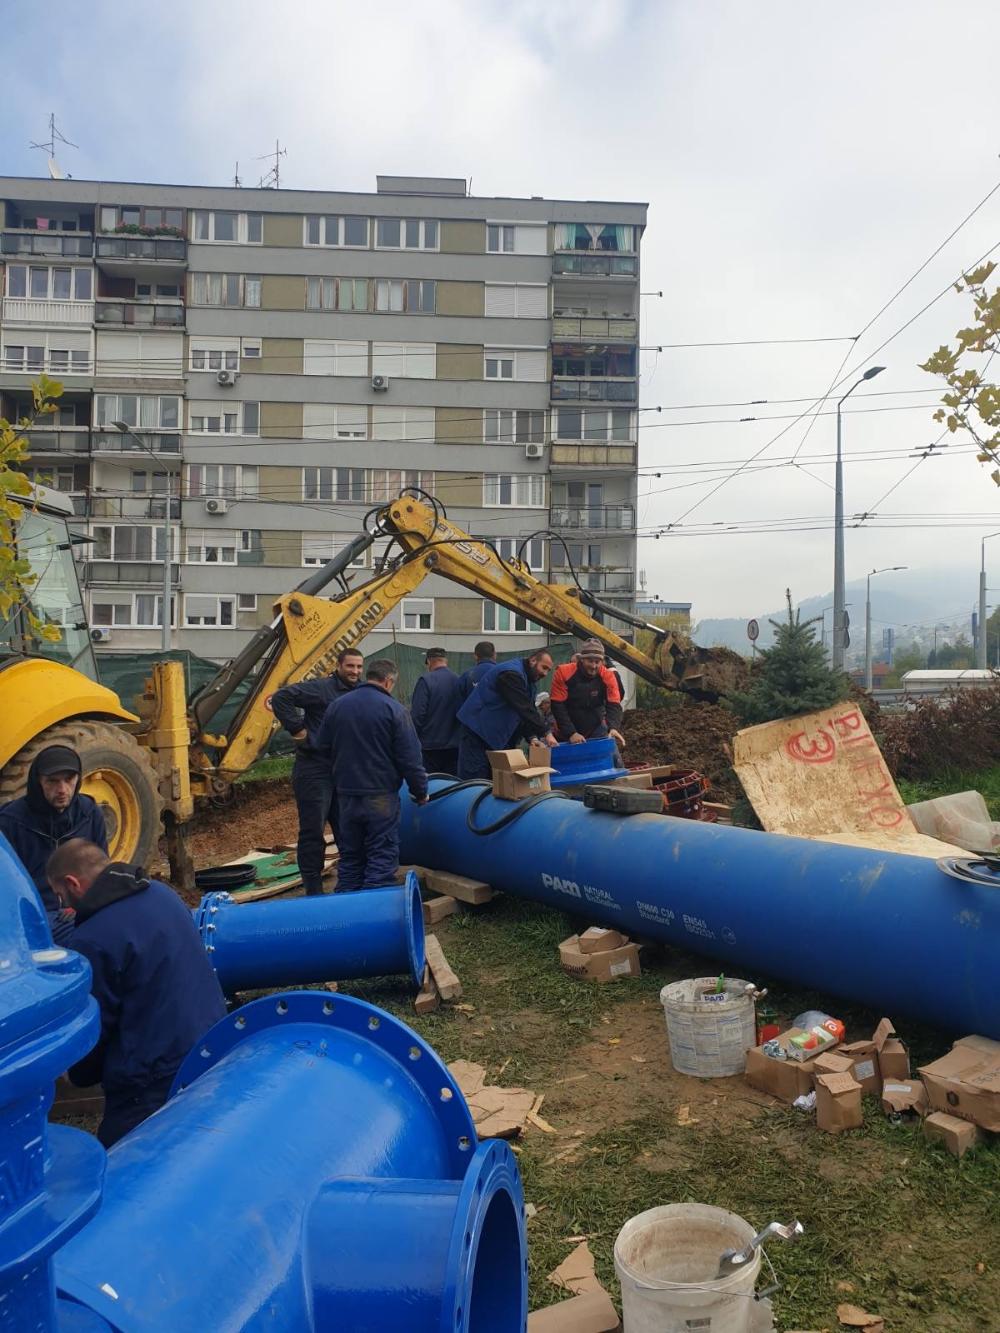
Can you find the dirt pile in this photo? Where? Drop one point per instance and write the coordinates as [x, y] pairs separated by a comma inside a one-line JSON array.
[[691, 734], [713, 671]]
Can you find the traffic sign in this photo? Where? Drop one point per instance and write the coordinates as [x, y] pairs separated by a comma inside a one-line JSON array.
[[753, 631]]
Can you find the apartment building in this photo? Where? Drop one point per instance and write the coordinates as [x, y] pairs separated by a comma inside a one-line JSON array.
[[277, 363]]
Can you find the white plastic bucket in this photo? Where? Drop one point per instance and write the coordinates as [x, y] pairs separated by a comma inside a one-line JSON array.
[[709, 1034], [667, 1259]]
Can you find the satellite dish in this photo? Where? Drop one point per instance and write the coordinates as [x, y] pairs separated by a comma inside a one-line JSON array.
[[55, 171]]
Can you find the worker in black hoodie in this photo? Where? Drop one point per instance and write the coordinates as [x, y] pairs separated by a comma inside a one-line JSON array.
[[52, 810], [152, 978]]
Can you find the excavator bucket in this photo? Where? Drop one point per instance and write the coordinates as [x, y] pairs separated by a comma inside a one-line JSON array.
[[705, 673]]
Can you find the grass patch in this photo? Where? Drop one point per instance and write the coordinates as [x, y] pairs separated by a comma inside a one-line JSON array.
[[984, 780], [269, 769]]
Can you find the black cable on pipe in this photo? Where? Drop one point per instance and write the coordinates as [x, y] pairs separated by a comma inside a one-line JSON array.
[[520, 808]]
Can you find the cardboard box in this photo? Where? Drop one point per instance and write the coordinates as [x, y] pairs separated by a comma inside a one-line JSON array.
[[904, 1097], [803, 1045], [831, 1062], [893, 1057], [838, 1103], [597, 939], [607, 965], [784, 1079], [642, 781], [514, 778], [864, 1058], [966, 1082], [958, 1136]]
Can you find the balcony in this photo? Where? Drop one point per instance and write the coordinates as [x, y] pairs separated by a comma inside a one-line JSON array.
[[147, 258], [28, 310], [116, 442], [620, 582], [595, 265], [140, 314], [63, 440], [52, 244], [129, 507], [592, 327], [593, 455], [594, 390], [144, 572], [599, 518]]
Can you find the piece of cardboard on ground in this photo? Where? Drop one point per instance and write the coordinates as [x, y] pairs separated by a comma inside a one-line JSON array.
[[822, 776], [904, 1097], [576, 1272], [601, 965], [498, 1113], [960, 818], [966, 1082], [958, 1136], [590, 1313]]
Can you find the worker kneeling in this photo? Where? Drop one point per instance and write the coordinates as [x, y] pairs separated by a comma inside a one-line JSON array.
[[152, 979]]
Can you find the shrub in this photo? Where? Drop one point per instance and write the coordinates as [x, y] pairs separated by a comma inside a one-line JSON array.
[[959, 730]]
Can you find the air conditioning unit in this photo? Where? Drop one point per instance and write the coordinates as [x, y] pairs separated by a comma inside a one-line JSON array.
[[99, 634], [227, 378], [534, 451], [216, 505], [380, 383]]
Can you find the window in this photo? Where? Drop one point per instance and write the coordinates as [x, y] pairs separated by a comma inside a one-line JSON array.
[[246, 601], [507, 548], [593, 361], [318, 548], [525, 490], [48, 474], [323, 356], [43, 283], [329, 421], [499, 620], [128, 542], [135, 216], [344, 231], [232, 481], [139, 610], [594, 236], [386, 483], [55, 352], [140, 411], [343, 294], [499, 365], [406, 234], [147, 291], [405, 295], [214, 547], [595, 423], [250, 349], [578, 554], [215, 354], [234, 228], [225, 289], [520, 300], [414, 361], [404, 423], [334, 483], [509, 238], [202, 611], [507, 363], [510, 426], [417, 614]]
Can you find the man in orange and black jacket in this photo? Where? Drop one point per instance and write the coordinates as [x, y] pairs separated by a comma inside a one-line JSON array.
[[586, 700]]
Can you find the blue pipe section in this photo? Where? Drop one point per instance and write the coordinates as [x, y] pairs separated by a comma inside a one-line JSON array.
[[315, 1168], [50, 1175], [893, 932], [326, 937], [590, 761]]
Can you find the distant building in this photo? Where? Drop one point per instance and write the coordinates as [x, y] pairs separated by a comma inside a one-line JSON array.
[[880, 670], [649, 607]]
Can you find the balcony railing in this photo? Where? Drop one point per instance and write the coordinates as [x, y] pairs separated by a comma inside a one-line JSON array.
[[595, 390], [143, 314], [130, 507], [129, 571], [602, 266], [148, 249], [26, 310], [620, 581], [65, 440], [592, 455], [619, 518], [54, 244], [587, 326], [116, 442]]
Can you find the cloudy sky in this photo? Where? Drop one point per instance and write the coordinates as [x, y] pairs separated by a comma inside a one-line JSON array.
[[801, 162]]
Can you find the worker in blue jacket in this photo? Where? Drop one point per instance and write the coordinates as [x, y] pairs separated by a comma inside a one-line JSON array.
[[300, 709], [486, 656], [501, 711], [374, 750], [151, 977], [437, 697], [52, 810]]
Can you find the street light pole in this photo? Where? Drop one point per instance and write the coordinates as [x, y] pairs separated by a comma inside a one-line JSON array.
[[889, 569], [839, 585], [981, 642], [167, 531]]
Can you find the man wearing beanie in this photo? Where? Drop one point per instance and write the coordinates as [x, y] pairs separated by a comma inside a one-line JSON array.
[[52, 810], [586, 700]]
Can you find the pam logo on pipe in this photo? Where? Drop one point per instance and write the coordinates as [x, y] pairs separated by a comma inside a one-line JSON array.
[[567, 886]]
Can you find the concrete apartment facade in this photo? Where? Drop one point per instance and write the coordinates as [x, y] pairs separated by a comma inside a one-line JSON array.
[[287, 360]]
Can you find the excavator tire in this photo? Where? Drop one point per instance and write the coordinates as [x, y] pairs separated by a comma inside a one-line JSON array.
[[117, 773]]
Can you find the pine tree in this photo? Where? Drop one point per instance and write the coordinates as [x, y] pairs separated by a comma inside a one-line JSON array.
[[793, 676]]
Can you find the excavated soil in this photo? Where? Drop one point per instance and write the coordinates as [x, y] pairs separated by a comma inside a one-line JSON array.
[[691, 734]]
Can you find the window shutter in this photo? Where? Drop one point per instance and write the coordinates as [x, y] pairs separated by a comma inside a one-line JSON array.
[[501, 300], [532, 302], [531, 365], [531, 240]]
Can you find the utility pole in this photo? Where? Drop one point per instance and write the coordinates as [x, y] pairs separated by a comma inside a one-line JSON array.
[[981, 640], [839, 584], [889, 569]]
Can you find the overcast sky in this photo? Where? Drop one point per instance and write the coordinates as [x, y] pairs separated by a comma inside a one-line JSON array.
[[800, 163]]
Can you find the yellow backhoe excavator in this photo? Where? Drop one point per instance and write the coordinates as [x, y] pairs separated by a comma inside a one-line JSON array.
[[157, 762]]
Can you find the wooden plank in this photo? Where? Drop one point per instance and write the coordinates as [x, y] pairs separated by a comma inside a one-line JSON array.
[[448, 984], [472, 891], [427, 999], [436, 909]]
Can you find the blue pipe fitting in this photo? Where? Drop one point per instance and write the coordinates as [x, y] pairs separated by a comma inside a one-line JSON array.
[[590, 761], [315, 1167], [51, 1174], [895, 932], [326, 937]]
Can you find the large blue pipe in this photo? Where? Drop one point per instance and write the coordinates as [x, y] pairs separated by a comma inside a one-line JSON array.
[[315, 1168], [326, 937], [893, 932]]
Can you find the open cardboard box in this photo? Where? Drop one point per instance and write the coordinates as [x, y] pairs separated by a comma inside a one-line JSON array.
[[785, 1079], [607, 964], [514, 778], [966, 1082]]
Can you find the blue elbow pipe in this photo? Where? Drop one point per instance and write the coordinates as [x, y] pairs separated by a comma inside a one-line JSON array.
[[590, 761], [315, 1168], [327, 937], [893, 932]]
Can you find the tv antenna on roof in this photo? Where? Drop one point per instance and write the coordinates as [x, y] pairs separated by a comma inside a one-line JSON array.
[[49, 146], [236, 177], [271, 180]]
